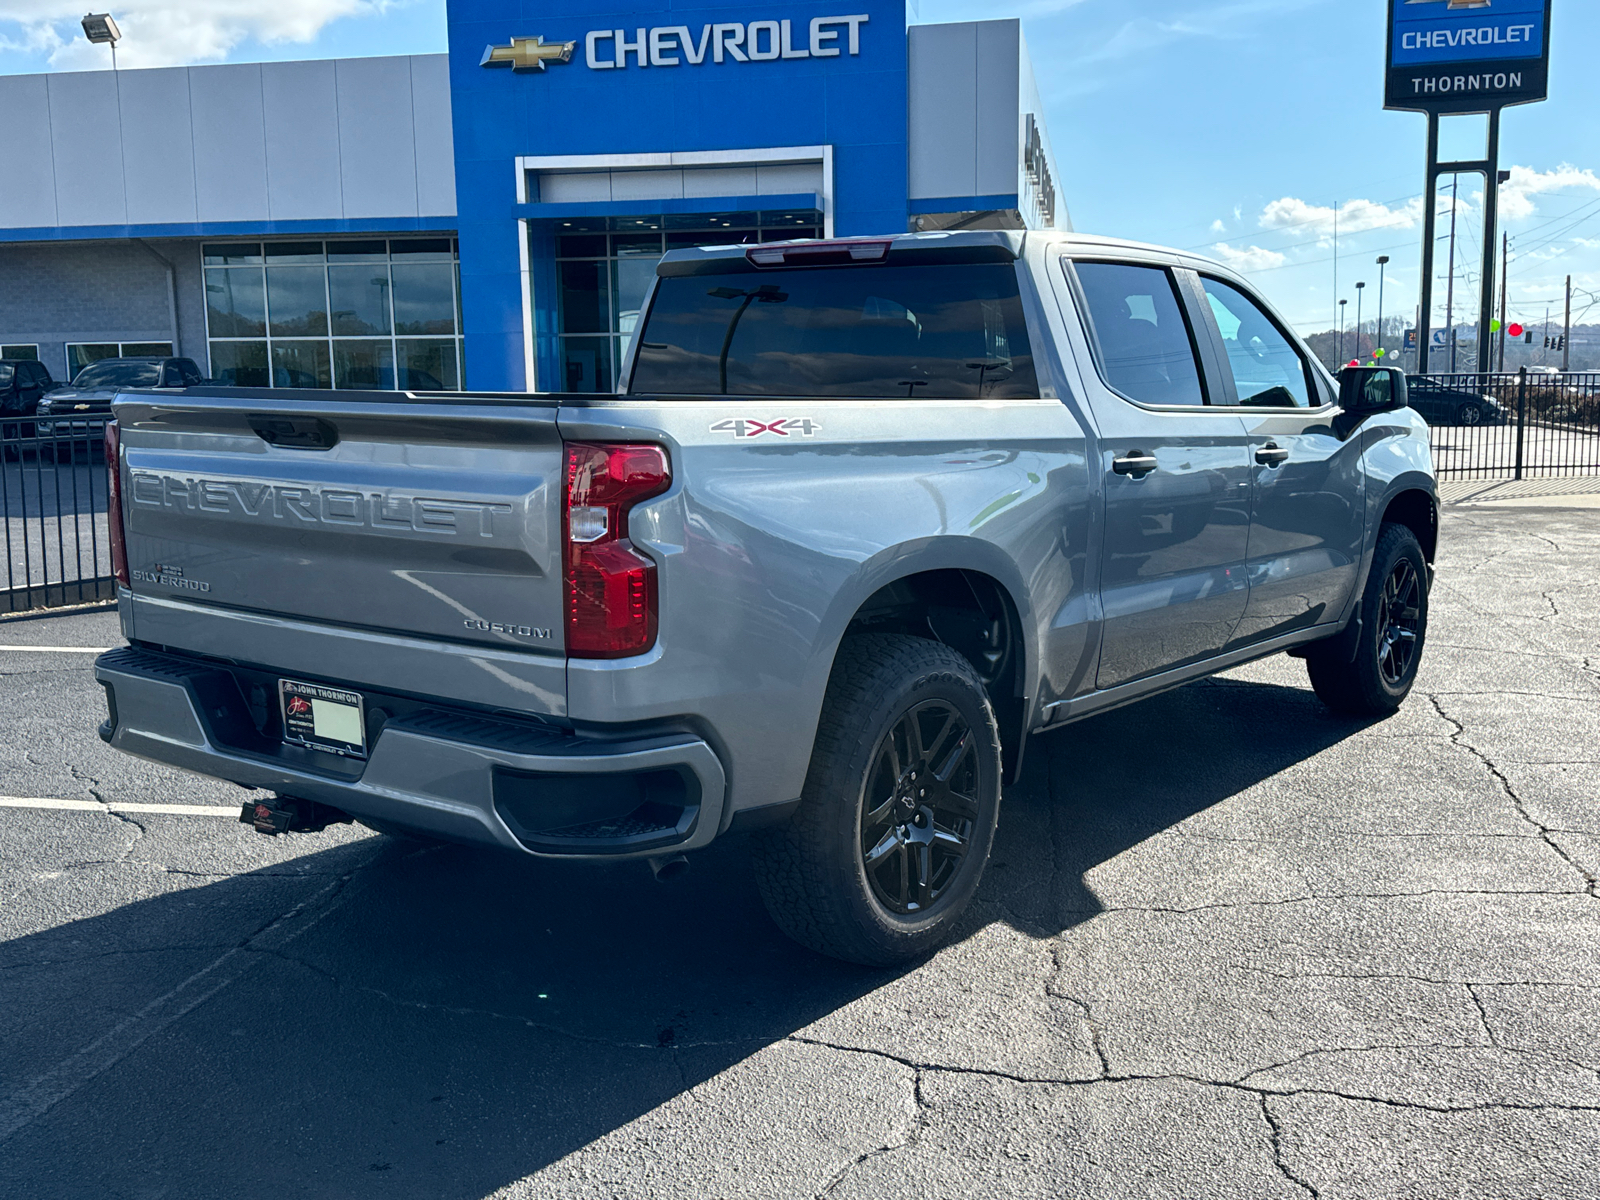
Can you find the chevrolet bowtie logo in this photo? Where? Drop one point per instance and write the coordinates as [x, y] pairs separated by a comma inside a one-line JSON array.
[[527, 54]]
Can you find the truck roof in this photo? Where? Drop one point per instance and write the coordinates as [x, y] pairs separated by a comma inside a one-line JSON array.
[[952, 245]]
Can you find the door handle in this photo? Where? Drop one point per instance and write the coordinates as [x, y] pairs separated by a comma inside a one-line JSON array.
[[1272, 455], [1136, 463]]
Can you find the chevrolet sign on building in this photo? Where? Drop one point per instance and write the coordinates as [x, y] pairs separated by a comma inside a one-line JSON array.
[[1467, 55]]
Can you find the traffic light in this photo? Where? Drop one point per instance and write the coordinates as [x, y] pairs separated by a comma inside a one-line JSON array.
[[1555, 342]]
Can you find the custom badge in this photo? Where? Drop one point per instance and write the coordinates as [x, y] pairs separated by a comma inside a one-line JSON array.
[[527, 54]]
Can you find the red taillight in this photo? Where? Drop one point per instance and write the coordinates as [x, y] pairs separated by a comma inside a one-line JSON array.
[[611, 587], [119, 543]]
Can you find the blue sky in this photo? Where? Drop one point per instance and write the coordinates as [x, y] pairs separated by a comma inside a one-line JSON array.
[[1234, 127]]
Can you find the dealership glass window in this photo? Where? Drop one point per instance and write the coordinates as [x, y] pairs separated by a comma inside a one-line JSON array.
[[364, 364], [28, 352], [605, 266], [297, 364], [81, 354], [240, 364], [370, 313]]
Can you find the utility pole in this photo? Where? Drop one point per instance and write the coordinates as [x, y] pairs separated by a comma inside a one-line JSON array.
[[1505, 269], [1566, 332], [1342, 303], [1450, 290], [1383, 261]]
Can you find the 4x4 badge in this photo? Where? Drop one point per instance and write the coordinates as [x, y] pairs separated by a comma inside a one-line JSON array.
[[742, 427]]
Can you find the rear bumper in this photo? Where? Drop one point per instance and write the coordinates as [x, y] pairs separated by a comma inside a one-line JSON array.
[[455, 776]]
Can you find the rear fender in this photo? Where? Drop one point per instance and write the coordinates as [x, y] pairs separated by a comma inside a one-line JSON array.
[[935, 554]]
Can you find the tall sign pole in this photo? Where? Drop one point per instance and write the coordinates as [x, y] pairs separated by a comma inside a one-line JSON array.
[[1452, 57]]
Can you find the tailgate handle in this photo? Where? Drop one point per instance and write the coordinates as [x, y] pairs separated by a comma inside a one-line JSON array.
[[294, 433]]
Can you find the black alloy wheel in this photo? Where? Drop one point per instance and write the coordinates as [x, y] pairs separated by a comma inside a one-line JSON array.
[[919, 807], [1399, 614], [1470, 414], [899, 809], [1370, 668]]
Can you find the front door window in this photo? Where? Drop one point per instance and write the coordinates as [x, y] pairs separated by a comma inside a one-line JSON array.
[[1267, 370]]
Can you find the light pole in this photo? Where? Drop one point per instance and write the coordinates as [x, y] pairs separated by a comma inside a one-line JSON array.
[[1359, 289], [1342, 303], [1383, 261], [101, 28]]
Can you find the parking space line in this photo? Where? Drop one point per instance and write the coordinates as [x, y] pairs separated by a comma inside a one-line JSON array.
[[176, 810], [55, 649]]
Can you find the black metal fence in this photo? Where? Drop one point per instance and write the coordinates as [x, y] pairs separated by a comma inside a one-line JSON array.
[[53, 504], [1502, 426]]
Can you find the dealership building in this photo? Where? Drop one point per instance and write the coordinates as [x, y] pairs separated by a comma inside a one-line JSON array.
[[489, 218]]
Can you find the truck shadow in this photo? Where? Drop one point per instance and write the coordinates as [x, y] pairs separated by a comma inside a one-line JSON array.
[[460, 1020]]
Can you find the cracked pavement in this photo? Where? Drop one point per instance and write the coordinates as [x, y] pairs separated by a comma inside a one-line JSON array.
[[1305, 957]]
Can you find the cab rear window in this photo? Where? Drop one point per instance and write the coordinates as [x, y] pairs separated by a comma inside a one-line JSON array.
[[942, 331]]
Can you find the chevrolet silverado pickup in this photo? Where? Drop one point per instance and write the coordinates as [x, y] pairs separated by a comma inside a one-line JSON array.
[[864, 516]]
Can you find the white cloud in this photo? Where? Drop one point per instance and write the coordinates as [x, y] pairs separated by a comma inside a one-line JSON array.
[[1516, 195], [1353, 216], [173, 32], [1248, 258], [1217, 226]]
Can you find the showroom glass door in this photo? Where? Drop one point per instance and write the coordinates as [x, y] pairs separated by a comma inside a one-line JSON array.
[[604, 267]]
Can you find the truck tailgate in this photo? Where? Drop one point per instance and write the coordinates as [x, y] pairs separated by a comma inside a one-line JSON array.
[[435, 519]]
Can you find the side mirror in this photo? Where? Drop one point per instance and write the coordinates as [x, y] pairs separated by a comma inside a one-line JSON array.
[[1372, 389]]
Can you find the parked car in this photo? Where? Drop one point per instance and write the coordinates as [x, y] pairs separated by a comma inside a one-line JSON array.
[[87, 399], [23, 383], [1442, 403], [865, 516]]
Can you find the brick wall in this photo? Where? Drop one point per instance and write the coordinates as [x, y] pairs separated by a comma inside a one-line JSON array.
[[52, 293]]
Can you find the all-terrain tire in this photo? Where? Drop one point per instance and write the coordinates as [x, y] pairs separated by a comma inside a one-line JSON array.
[[1388, 646], [813, 870]]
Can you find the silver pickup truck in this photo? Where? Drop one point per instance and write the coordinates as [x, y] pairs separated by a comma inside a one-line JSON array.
[[866, 515]]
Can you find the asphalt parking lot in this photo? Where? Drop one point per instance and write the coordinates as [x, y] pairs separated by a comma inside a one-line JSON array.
[[1229, 946]]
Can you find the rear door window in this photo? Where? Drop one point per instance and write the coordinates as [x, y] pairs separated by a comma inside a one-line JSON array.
[[1143, 342], [1268, 371], [942, 331]]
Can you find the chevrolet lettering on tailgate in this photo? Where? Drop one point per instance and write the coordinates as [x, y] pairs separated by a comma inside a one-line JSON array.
[[309, 505]]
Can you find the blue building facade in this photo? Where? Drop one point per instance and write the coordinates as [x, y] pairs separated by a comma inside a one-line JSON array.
[[304, 218]]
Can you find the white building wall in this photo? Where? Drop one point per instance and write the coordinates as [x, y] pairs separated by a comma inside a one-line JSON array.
[[28, 187], [338, 139], [433, 139], [971, 86], [228, 140]]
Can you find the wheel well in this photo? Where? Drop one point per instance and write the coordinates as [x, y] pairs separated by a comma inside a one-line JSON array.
[[972, 614], [1415, 510]]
